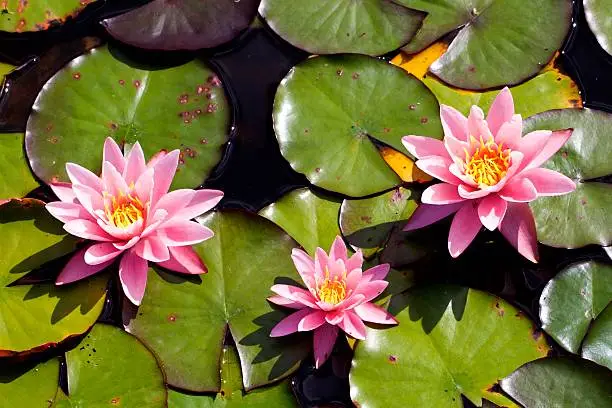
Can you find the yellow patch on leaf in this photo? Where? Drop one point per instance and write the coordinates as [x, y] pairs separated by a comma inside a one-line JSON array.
[[403, 166]]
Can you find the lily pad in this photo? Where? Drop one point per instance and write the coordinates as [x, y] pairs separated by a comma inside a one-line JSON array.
[[372, 27], [29, 384], [308, 217], [19, 15], [17, 179], [329, 111], [184, 25], [111, 368], [99, 96], [450, 341], [560, 382], [572, 301], [597, 346], [40, 316], [247, 255], [500, 42], [580, 218], [597, 14]]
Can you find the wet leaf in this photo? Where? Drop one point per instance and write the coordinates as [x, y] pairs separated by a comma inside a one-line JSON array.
[[247, 255], [498, 42], [597, 14], [39, 316], [29, 384], [17, 180], [450, 341], [98, 95], [577, 219], [23, 15], [403, 166], [329, 111], [560, 382], [184, 25], [597, 346], [372, 27]]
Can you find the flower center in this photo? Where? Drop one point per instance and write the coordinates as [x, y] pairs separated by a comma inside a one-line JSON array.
[[332, 291], [488, 163], [124, 211]]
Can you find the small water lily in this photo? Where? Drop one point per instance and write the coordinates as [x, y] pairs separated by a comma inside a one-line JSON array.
[[129, 212], [337, 297], [489, 172]]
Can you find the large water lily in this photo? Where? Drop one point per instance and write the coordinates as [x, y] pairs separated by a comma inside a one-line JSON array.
[[129, 212], [489, 172], [338, 296]]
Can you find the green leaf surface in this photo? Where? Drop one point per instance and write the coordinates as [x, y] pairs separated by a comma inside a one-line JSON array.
[[560, 382], [17, 180], [111, 368], [329, 110], [29, 385], [580, 218], [372, 27], [450, 341], [22, 15], [308, 217], [500, 42], [247, 255], [599, 18], [179, 400], [597, 345], [39, 316], [98, 95]]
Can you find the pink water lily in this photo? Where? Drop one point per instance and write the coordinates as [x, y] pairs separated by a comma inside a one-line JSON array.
[[129, 213], [489, 172], [338, 296]]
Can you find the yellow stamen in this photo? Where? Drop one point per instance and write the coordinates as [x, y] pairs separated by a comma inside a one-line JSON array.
[[488, 163], [124, 211], [332, 291]]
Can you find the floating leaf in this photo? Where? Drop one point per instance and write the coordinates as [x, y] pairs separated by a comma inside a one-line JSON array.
[[577, 219], [450, 341], [309, 218], [37, 317], [403, 166], [184, 25], [179, 400], [247, 255], [23, 15], [372, 27], [111, 368], [17, 179], [329, 110], [572, 300], [499, 42], [560, 382], [597, 346], [99, 96], [597, 14], [29, 384]]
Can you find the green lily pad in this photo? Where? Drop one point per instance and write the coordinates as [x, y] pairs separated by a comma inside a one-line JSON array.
[[5, 69], [450, 341], [560, 382], [573, 300], [20, 16], [597, 14], [577, 219], [184, 25], [97, 95], [247, 255], [328, 111], [17, 179], [39, 316], [597, 346], [111, 368], [499, 43], [308, 217], [30, 384], [179, 400], [372, 27]]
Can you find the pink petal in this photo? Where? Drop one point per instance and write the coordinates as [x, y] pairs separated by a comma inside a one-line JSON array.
[[164, 172], [282, 301], [80, 175], [152, 249], [555, 142], [123, 246], [100, 253], [459, 173], [304, 264], [135, 164], [548, 182], [321, 260], [491, 211], [334, 317], [501, 111], [175, 201], [113, 181], [472, 193], [144, 186], [376, 273], [427, 214], [289, 324], [440, 194], [113, 154], [477, 125], [355, 261], [463, 230], [311, 321], [63, 191], [519, 190], [374, 314], [294, 293], [454, 123], [438, 167], [353, 279], [122, 234], [369, 290], [532, 145], [518, 227], [67, 211], [153, 222], [323, 343], [455, 148], [510, 133], [201, 202], [87, 229], [353, 325], [182, 233], [77, 269], [89, 198], [156, 158], [184, 260], [421, 146], [338, 250], [133, 275]]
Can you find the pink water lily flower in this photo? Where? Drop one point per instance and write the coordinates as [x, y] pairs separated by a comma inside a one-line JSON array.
[[489, 172], [338, 295], [129, 213]]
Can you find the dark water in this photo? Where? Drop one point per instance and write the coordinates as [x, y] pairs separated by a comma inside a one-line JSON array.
[[253, 172]]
